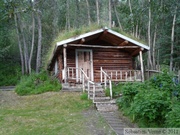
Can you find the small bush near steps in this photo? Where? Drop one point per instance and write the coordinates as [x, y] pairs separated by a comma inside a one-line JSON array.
[[37, 83]]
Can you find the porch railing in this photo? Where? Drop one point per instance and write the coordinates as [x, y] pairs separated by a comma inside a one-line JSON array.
[[123, 75], [105, 78], [82, 78]]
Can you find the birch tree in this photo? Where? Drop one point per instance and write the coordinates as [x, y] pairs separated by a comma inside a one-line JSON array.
[[172, 40]]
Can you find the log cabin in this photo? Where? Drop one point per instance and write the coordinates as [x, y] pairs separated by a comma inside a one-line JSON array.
[[98, 56]]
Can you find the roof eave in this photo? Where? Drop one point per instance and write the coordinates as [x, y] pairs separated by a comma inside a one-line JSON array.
[[128, 39]]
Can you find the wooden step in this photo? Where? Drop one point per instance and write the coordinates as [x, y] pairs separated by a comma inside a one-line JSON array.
[[101, 99], [106, 107]]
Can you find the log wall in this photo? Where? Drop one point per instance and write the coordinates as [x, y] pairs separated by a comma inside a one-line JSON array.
[[110, 59]]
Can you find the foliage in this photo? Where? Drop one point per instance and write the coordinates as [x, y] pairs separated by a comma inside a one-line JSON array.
[[84, 96], [9, 74], [152, 103], [37, 83], [116, 90], [129, 90], [172, 117]]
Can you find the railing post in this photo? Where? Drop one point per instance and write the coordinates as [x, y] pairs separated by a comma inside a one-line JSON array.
[[126, 76], [80, 78], [93, 92], [88, 90], [110, 87], [105, 85], [83, 82], [101, 74]]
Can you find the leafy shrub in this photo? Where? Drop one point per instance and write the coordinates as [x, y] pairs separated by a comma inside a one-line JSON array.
[[116, 90], [84, 96], [129, 90], [10, 73], [163, 81], [152, 102], [37, 83], [151, 105], [173, 117]]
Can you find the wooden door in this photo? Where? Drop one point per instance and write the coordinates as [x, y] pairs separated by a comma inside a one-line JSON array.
[[84, 61]]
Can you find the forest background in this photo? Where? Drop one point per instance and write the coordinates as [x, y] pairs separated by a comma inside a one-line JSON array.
[[29, 27]]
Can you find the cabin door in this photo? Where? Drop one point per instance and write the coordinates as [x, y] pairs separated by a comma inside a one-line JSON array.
[[84, 61]]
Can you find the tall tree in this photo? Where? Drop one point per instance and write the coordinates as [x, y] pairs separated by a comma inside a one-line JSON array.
[[97, 11], [38, 59], [88, 12], [172, 40], [32, 42], [149, 38]]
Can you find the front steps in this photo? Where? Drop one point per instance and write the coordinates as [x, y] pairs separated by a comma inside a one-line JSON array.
[[102, 102]]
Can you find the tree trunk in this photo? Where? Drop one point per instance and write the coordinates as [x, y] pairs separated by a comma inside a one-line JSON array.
[[110, 15], [26, 55], [172, 40], [119, 23], [38, 59], [149, 37], [19, 44], [97, 11], [78, 23], [131, 14], [153, 48], [32, 43], [88, 12], [55, 17], [67, 15]]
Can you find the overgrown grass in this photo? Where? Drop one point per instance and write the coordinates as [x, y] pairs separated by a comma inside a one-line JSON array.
[[37, 83], [10, 73], [68, 34], [48, 114]]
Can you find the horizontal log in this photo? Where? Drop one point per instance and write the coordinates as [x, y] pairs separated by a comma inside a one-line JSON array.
[[99, 46]]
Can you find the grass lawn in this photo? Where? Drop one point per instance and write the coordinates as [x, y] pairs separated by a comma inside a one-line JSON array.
[[51, 113]]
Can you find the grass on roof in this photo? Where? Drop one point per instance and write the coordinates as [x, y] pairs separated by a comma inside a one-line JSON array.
[[63, 35]]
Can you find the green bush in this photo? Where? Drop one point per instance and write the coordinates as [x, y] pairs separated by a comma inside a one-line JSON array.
[[129, 90], [37, 83], [84, 96], [116, 90], [173, 116], [10, 73], [152, 102], [151, 105]]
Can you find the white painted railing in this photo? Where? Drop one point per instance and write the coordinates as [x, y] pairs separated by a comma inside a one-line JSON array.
[[82, 78], [105, 78], [123, 75]]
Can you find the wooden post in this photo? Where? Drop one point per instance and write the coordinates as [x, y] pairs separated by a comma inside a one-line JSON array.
[[88, 90], [83, 82], [142, 68], [105, 85], [93, 92], [65, 63], [110, 86], [101, 75]]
